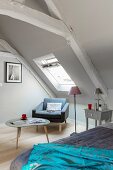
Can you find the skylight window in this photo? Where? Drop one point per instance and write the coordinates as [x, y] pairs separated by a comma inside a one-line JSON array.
[[55, 72], [59, 74], [49, 61]]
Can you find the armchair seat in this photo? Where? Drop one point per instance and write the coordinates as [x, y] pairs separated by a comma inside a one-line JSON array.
[[53, 116], [49, 115]]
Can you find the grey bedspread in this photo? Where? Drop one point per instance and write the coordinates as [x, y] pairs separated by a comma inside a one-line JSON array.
[[99, 137]]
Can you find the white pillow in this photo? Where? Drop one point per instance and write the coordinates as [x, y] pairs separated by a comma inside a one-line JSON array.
[[54, 106]]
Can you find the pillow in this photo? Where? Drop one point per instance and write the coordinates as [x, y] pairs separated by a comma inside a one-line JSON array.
[[54, 106]]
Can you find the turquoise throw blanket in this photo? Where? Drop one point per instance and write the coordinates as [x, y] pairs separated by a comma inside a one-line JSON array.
[[66, 157]]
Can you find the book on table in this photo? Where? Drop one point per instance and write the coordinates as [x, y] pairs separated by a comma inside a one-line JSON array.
[[38, 120]]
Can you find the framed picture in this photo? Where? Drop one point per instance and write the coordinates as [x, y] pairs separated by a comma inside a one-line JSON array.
[[13, 72]]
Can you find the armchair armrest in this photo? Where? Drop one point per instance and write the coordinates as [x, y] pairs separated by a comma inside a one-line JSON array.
[[65, 108], [65, 111], [38, 108]]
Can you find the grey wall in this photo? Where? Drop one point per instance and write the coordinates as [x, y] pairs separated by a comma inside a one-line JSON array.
[[81, 104], [18, 98], [110, 99], [80, 115]]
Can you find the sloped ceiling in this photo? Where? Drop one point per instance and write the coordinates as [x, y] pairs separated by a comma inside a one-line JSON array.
[[32, 42], [92, 23], [39, 5]]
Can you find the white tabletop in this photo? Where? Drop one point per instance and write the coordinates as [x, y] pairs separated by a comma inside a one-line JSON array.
[[28, 122]]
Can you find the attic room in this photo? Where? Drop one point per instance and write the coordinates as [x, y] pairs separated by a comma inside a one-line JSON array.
[[56, 87]]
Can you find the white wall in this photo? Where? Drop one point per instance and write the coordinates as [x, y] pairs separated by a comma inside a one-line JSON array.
[[18, 98], [82, 102], [110, 99], [81, 105]]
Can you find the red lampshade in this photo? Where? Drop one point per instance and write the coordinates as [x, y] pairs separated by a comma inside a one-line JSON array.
[[74, 90]]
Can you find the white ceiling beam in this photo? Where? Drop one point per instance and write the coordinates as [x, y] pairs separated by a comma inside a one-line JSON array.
[[34, 17], [18, 1], [55, 26], [88, 66], [53, 10], [7, 54], [14, 54]]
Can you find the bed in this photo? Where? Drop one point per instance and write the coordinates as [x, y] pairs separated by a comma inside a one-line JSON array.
[[99, 137]]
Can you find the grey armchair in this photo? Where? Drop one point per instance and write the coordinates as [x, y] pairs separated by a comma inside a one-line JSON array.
[[54, 116]]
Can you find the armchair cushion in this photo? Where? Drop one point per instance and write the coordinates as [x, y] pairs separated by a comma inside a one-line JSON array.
[[48, 115], [44, 112]]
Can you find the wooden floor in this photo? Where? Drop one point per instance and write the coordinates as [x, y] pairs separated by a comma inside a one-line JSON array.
[[29, 137]]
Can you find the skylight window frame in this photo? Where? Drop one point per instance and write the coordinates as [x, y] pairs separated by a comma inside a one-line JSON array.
[[44, 68], [58, 81]]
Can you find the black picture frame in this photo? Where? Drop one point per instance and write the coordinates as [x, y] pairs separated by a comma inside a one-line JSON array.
[[13, 72]]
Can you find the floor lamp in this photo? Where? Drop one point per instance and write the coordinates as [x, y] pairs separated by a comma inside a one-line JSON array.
[[74, 91]]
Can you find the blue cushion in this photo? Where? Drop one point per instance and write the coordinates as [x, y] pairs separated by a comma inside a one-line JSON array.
[[54, 100], [44, 112]]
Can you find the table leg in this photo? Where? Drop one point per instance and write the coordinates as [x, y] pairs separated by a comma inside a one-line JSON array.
[[95, 123], [37, 128], [100, 122], [60, 127], [86, 123], [45, 129], [18, 135], [110, 116]]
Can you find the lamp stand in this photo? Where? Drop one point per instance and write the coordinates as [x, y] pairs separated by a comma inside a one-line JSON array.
[[98, 99], [75, 110], [74, 91]]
